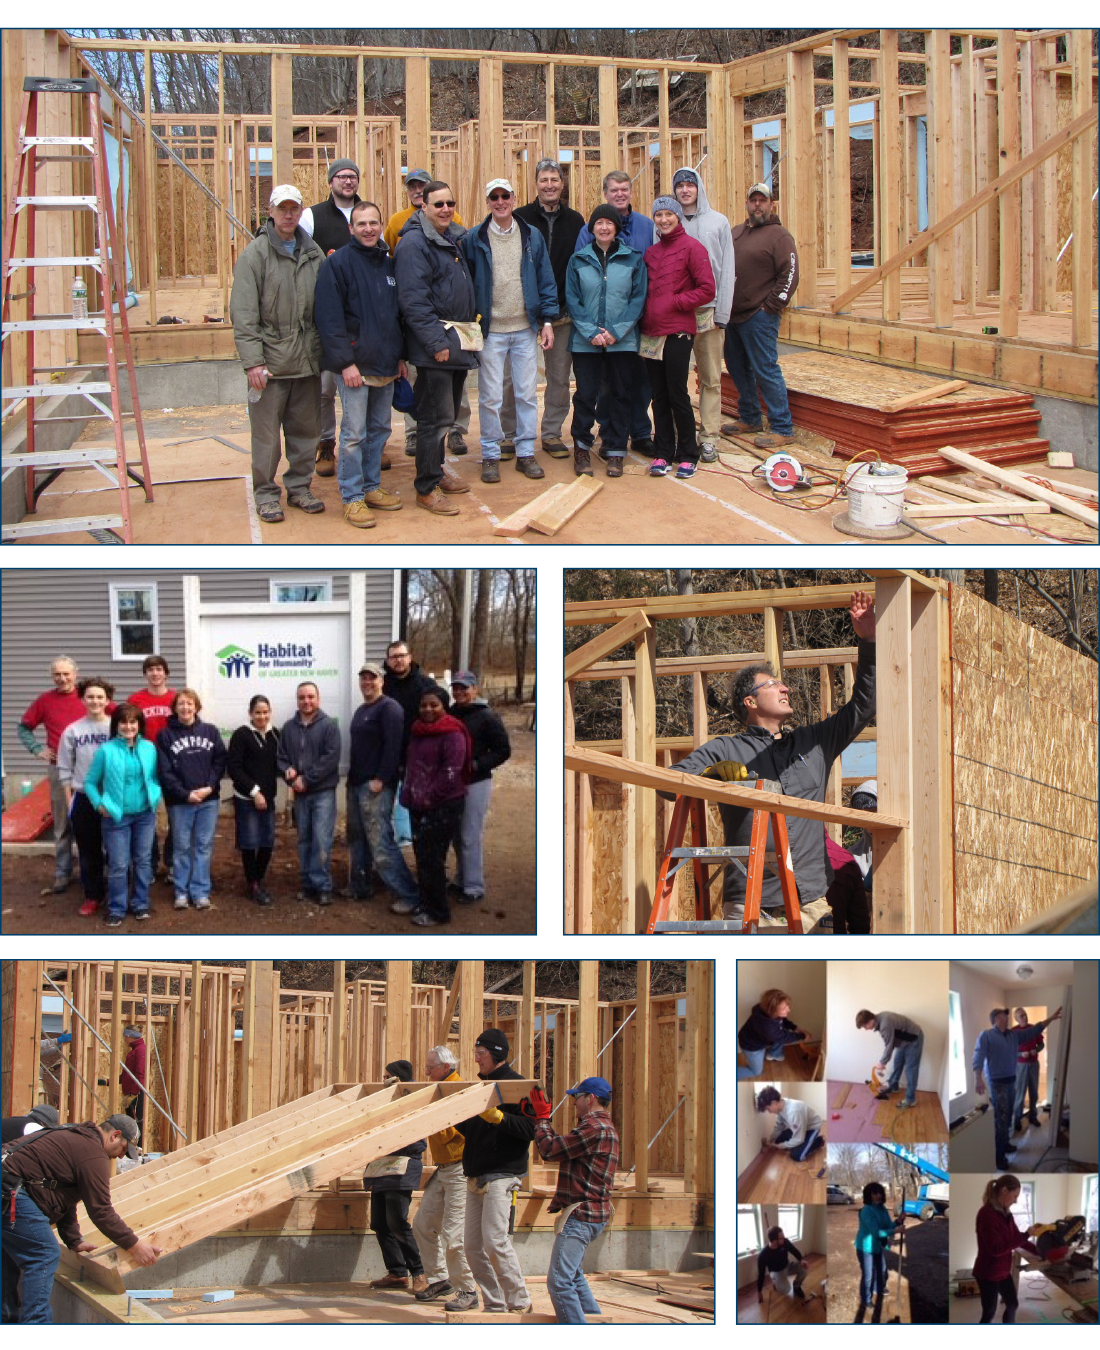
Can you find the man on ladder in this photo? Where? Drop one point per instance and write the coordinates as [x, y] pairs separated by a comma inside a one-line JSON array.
[[798, 759]]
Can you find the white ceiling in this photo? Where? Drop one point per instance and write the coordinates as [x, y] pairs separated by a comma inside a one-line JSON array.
[[1004, 972]]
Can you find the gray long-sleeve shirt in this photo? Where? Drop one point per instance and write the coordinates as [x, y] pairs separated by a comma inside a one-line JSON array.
[[797, 1117], [799, 760], [888, 1025]]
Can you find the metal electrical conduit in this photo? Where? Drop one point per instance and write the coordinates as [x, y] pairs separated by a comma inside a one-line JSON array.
[[110, 1052]]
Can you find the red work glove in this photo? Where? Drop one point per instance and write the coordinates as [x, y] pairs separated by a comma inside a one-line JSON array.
[[538, 1104]]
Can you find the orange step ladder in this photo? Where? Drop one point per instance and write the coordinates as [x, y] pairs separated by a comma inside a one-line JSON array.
[[701, 856], [34, 153]]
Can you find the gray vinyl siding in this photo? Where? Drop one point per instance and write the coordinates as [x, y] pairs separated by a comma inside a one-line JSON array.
[[381, 584], [66, 611], [231, 587]]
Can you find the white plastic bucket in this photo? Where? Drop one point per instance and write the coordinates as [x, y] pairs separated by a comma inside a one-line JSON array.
[[875, 494]]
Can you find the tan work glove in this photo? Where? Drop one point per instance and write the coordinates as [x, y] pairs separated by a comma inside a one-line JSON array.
[[493, 1116]]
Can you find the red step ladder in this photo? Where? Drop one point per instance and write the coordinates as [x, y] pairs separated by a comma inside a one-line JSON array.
[[701, 856]]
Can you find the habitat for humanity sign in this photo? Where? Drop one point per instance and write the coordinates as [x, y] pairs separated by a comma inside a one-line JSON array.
[[271, 659]]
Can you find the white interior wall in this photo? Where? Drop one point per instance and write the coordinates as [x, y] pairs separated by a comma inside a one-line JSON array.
[[1084, 1130], [977, 994], [813, 1237], [917, 989], [803, 980], [753, 1127], [1055, 1195]]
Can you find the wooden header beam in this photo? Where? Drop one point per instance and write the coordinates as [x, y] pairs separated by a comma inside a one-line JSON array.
[[727, 794], [721, 602], [623, 632], [718, 665]]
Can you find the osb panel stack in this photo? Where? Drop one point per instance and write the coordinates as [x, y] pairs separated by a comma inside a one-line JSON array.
[[1024, 752]]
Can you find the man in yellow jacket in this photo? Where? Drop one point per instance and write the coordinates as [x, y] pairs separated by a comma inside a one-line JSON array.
[[441, 1216]]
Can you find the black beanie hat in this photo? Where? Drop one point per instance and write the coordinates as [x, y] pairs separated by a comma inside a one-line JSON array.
[[400, 1068], [605, 211], [495, 1042]]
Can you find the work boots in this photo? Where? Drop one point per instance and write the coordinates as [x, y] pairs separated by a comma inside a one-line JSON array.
[[326, 459]]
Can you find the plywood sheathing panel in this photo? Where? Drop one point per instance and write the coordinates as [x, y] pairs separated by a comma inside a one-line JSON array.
[[605, 824], [1025, 767]]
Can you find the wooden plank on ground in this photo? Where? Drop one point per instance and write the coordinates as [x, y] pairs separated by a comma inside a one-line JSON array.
[[557, 513], [1020, 484], [975, 509], [925, 395], [514, 525]]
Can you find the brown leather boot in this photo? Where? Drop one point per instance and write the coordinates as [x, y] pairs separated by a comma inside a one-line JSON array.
[[582, 461], [419, 1283], [326, 459], [437, 504], [389, 1281], [740, 428]]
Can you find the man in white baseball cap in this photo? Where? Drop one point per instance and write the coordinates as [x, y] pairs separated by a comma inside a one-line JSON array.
[[280, 349]]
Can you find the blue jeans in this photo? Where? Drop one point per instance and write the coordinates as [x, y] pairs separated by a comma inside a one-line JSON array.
[[31, 1249], [907, 1058], [129, 844], [402, 822], [193, 826], [371, 845], [872, 1276], [315, 819], [1002, 1095], [752, 358], [364, 430], [756, 1060], [565, 1282], [520, 351]]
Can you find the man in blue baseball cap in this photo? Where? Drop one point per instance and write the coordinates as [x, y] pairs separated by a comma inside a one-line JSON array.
[[587, 1158]]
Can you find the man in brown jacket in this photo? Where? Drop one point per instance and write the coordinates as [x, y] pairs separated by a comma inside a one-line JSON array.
[[767, 274], [440, 1219], [45, 1178]]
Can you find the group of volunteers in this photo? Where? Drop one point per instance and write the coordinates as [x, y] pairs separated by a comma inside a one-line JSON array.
[[330, 299], [412, 750], [458, 1246]]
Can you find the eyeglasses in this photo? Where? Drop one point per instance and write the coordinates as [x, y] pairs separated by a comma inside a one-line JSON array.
[[436, 206], [501, 197], [768, 684], [548, 164], [349, 177]]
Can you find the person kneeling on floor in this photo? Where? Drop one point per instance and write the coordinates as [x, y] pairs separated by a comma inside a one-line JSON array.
[[797, 1127], [782, 1263]]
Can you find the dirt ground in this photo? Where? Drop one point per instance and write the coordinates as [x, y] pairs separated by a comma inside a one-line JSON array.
[[924, 1277], [509, 906], [203, 496]]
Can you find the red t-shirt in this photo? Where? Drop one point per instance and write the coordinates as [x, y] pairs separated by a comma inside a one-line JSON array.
[[157, 709], [56, 712]]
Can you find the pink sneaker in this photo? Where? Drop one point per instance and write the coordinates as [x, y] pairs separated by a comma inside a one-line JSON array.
[[88, 908], [658, 468]]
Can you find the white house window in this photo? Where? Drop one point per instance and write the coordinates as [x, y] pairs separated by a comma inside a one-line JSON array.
[[135, 621], [301, 592], [749, 1240]]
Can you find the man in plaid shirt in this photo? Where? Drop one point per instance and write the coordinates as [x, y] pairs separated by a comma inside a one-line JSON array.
[[587, 1157]]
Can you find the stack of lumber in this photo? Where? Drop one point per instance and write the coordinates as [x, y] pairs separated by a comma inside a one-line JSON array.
[[197, 1191], [691, 1290], [551, 509], [857, 405]]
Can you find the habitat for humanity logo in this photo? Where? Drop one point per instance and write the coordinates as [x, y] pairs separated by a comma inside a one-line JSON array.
[[235, 661]]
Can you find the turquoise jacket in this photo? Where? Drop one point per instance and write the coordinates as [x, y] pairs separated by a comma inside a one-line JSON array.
[[123, 780], [875, 1229], [611, 299]]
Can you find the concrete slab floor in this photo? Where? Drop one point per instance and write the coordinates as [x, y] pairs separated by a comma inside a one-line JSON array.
[[202, 497]]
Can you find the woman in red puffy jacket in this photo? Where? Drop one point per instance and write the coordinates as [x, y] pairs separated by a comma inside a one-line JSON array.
[[681, 280]]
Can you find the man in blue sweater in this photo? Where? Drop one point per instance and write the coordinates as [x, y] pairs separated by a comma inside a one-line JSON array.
[[377, 733], [994, 1062]]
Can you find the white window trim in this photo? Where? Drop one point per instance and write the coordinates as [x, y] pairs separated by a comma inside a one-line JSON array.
[[756, 1218], [796, 1235], [117, 654], [276, 582]]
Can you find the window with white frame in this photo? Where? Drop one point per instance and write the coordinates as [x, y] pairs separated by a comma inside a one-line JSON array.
[[790, 1220], [749, 1240], [1024, 1208], [301, 591], [135, 620]]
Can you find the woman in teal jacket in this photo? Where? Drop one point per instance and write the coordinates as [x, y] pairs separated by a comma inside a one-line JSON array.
[[605, 289], [876, 1228], [122, 785]]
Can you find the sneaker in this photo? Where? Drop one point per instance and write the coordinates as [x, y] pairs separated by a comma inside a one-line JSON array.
[[180, 902], [378, 499], [141, 914], [658, 468], [270, 513], [772, 441], [405, 907], [438, 1289], [906, 1106], [437, 504], [490, 471], [555, 446], [507, 448], [305, 501], [423, 919], [685, 469], [469, 898], [463, 1301], [642, 445], [456, 442], [740, 428], [410, 446], [326, 459], [615, 466], [708, 452], [357, 514], [451, 483], [203, 902], [88, 908], [526, 465], [112, 921]]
